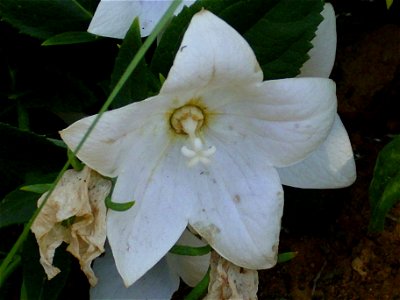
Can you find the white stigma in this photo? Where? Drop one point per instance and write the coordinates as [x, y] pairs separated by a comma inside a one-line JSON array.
[[188, 120]]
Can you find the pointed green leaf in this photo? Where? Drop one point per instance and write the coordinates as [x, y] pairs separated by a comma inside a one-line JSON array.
[[286, 256], [68, 38], [37, 188], [22, 152], [17, 208], [58, 143], [282, 38], [141, 83], [384, 190], [118, 206]]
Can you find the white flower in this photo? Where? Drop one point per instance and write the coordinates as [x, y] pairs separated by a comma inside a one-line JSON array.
[[204, 152], [332, 164], [160, 282], [113, 18]]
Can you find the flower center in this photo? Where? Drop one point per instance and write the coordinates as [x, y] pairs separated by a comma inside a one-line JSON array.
[[188, 120]]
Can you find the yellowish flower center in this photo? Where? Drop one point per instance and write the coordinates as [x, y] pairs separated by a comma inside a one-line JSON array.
[[189, 119]]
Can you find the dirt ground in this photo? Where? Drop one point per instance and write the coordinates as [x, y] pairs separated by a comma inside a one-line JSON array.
[[337, 257]]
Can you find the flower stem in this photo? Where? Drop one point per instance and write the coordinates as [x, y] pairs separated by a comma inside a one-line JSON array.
[[200, 289]]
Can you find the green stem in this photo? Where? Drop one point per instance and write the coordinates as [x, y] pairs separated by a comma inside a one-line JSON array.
[[10, 268], [84, 10], [200, 289], [7, 262], [23, 118], [190, 251]]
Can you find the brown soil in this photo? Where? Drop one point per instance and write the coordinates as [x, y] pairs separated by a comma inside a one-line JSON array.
[[337, 257]]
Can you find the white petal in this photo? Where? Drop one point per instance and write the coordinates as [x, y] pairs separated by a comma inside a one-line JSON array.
[[212, 54], [113, 18], [158, 283], [142, 235], [190, 268], [239, 207], [322, 55], [330, 166], [129, 130], [284, 119]]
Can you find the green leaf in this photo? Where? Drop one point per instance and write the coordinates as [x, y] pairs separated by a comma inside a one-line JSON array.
[[46, 18], [17, 208], [282, 38], [141, 83], [35, 282], [58, 143], [23, 152], [68, 38], [40, 188], [280, 32], [118, 206], [190, 251], [286, 256], [384, 190], [389, 3]]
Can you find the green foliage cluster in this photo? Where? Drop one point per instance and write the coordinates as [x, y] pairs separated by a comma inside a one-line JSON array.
[[53, 72]]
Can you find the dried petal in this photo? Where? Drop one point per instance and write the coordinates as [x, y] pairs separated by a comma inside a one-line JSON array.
[[228, 281], [74, 213]]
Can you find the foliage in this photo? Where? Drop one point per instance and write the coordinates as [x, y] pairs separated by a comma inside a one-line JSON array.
[[384, 190]]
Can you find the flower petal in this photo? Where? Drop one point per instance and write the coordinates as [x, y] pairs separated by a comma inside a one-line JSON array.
[[284, 119], [322, 55], [330, 166], [79, 199], [142, 235], [212, 54], [129, 130], [113, 18], [158, 283], [190, 268], [239, 206]]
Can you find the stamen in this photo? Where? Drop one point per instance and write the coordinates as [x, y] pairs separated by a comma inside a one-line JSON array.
[[198, 154], [188, 120], [187, 152], [197, 144], [210, 151]]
